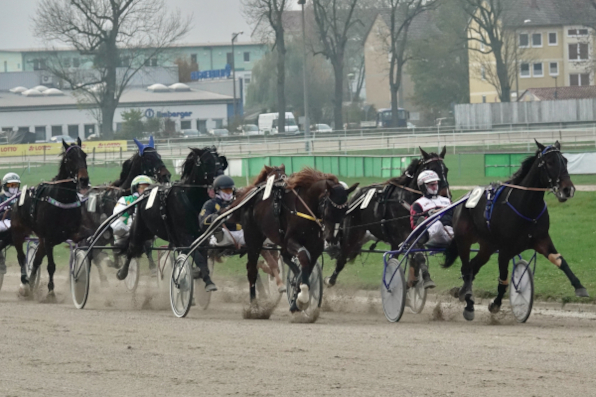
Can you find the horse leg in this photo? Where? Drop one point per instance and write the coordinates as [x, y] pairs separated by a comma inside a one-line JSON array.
[[547, 248], [147, 247], [252, 273], [18, 240], [98, 257], [273, 266], [495, 305], [349, 242], [41, 252], [465, 294], [51, 297], [302, 300]]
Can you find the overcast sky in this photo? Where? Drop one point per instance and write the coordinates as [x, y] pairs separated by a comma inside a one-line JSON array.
[[214, 21]]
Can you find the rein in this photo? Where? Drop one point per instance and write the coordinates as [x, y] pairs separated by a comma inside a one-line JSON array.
[[534, 189], [405, 188], [310, 217]]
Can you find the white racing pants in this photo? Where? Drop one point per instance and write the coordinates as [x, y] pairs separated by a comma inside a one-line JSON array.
[[234, 237], [4, 225], [439, 235], [120, 230]]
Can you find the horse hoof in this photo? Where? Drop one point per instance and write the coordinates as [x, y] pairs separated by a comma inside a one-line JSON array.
[[122, 273], [50, 298], [454, 292], [494, 308], [24, 290], [303, 299], [294, 308], [468, 315], [329, 282], [582, 292]]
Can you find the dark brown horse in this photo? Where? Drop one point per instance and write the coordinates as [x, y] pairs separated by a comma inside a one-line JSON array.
[[53, 212], [387, 216], [518, 221], [298, 218]]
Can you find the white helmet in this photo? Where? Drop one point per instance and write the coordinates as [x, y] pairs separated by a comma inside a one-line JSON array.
[[11, 177], [427, 177]]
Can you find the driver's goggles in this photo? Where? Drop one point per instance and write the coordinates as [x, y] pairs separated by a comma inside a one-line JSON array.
[[13, 184]]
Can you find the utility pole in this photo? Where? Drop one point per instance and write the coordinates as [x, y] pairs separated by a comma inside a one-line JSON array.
[[233, 65], [305, 89]]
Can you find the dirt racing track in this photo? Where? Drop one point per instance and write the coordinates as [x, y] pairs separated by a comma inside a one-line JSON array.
[[120, 346]]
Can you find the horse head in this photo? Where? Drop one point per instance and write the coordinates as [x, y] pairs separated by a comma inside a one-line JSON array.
[[202, 166], [333, 205], [434, 162], [74, 165], [150, 161], [553, 171]]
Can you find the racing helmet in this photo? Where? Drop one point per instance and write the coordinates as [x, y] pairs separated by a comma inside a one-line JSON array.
[[11, 177], [223, 182], [426, 177], [140, 180]]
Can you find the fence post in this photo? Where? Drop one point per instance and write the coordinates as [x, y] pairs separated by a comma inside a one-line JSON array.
[[105, 158], [44, 153], [93, 157], [120, 156]]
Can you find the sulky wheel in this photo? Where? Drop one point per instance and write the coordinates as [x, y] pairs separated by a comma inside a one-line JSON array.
[[80, 269], [316, 288], [31, 251], [416, 295], [181, 286], [202, 297], [165, 262], [521, 291], [132, 279], [393, 295]]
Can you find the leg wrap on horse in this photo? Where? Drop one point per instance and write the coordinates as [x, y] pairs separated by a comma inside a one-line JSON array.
[[565, 268]]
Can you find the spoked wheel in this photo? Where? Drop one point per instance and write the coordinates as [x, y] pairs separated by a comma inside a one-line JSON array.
[[31, 251], [521, 291], [165, 262], [316, 287], [416, 295], [267, 288], [181, 286], [394, 295], [132, 279], [79, 278], [202, 297]]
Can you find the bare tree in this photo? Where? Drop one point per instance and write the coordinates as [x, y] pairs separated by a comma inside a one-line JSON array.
[[334, 22], [121, 36], [267, 15], [401, 14]]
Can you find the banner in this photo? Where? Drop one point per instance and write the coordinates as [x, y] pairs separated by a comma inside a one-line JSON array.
[[581, 163], [38, 149]]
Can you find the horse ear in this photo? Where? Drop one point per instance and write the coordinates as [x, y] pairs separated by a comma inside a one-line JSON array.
[[352, 188], [558, 145], [151, 142], [540, 145], [65, 145], [443, 152], [224, 162], [283, 167], [79, 142], [139, 145], [424, 154]]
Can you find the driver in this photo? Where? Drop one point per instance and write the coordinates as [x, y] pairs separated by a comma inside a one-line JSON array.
[[11, 184], [232, 233]]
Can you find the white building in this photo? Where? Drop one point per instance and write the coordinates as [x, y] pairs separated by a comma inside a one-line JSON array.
[[55, 112]]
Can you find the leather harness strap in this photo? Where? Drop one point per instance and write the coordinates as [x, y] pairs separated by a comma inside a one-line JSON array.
[[406, 188], [312, 216], [534, 189]]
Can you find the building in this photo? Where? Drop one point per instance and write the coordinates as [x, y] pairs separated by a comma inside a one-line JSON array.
[[10, 61], [547, 47], [56, 112], [558, 93]]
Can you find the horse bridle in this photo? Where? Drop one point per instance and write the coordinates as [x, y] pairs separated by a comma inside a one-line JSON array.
[[443, 176], [73, 174], [152, 172], [541, 162]]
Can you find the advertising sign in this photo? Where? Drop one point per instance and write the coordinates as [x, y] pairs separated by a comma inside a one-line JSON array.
[[37, 149]]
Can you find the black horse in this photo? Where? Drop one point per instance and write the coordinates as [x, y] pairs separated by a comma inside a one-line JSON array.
[[518, 221], [146, 161], [298, 220], [174, 217], [387, 214], [51, 210]]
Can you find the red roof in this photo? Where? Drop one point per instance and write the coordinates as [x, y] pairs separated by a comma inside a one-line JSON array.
[[575, 92]]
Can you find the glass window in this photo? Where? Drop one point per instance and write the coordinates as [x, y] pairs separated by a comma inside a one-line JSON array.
[[230, 59], [193, 58], [554, 68], [218, 123], [584, 79], [483, 73], [73, 131], [525, 70], [89, 129], [202, 126], [483, 98], [76, 62], [247, 57], [537, 40], [582, 32], [578, 51], [56, 130], [185, 124], [40, 133], [538, 70], [154, 62], [523, 40], [66, 62], [553, 39]]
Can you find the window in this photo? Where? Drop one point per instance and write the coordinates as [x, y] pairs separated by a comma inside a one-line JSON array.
[[40, 133], [230, 59], [247, 57], [42, 64], [579, 79], [154, 62], [193, 58], [56, 130], [538, 72], [147, 62], [553, 38], [537, 40], [125, 62], [483, 73], [553, 68], [76, 62], [524, 70], [577, 32], [66, 62], [73, 131], [89, 129], [185, 125], [524, 40], [202, 126], [218, 123], [578, 51], [5, 66], [483, 98]]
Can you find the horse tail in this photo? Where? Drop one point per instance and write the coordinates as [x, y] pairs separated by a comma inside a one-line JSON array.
[[451, 254]]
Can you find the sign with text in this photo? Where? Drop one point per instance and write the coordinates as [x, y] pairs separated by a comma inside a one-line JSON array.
[[212, 74], [38, 149]]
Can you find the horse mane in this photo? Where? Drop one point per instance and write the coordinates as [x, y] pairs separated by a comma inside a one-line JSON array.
[[189, 162], [265, 172], [403, 178], [309, 176], [520, 174], [126, 166]]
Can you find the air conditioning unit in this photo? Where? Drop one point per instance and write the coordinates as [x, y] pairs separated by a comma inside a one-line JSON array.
[[46, 80]]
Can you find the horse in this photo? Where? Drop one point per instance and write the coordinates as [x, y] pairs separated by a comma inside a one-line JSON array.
[[518, 221], [299, 220], [146, 161], [174, 217], [51, 210], [387, 216]]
